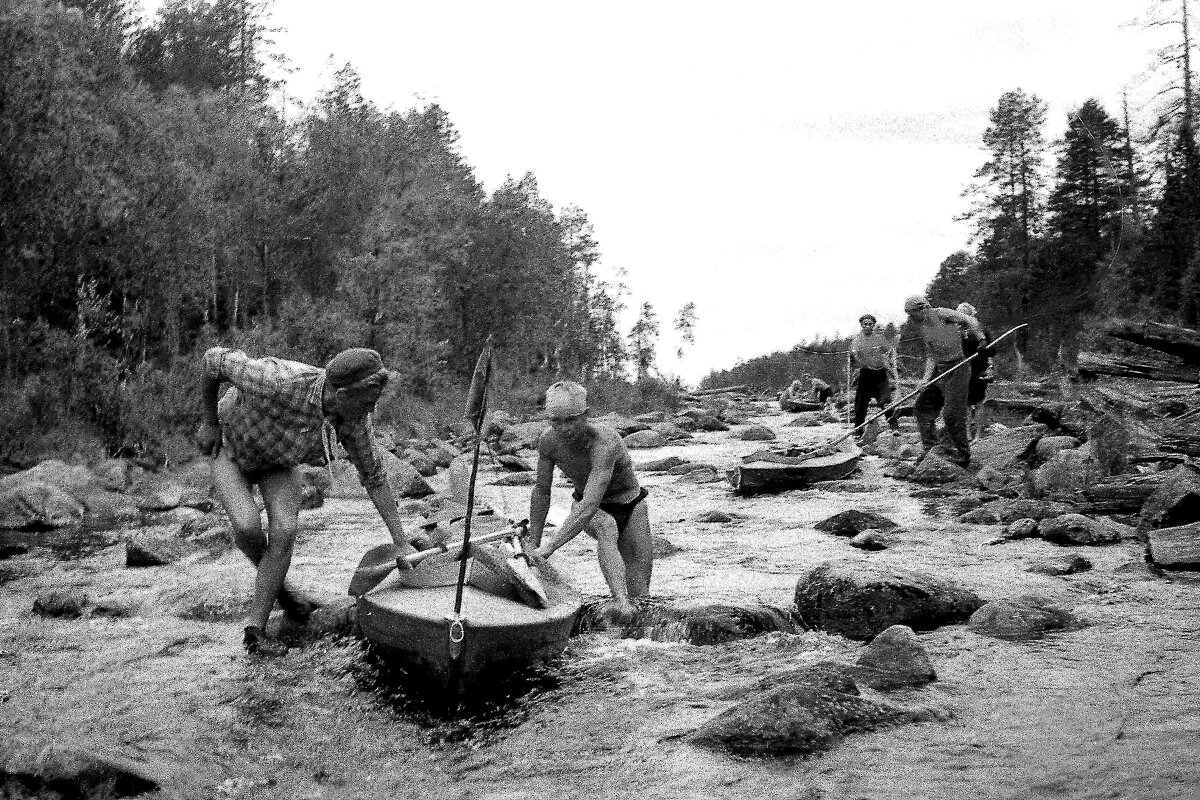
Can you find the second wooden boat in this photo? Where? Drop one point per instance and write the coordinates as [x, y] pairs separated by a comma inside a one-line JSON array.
[[776, 473]]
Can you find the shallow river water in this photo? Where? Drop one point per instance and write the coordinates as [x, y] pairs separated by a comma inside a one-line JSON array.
[[1106, 711]]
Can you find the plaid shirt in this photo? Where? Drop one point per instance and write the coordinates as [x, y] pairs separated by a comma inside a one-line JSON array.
[[273, 416]]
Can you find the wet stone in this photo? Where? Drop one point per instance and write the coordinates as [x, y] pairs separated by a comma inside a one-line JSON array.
[[870, 540], [934, 469], [808, 715], [660, 464], [644, 440], [662, 546], [854, 522], [1024, 528], [1076, 529], [755, 433], [699, 625], [895, 659], [715, 515], [861, 600], [1022, 618], [423, 464]]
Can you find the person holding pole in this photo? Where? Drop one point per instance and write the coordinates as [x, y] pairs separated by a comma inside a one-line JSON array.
[[976, 346], [942, 332], [609, 504], [873, 354], [278, 415]]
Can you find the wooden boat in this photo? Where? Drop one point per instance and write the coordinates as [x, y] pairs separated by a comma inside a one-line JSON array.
[[410, 617], [774, 472]]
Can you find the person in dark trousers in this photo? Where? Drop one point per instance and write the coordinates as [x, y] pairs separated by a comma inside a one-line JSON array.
[[278, 415], [976, 345], [941, 330], [873, 354]]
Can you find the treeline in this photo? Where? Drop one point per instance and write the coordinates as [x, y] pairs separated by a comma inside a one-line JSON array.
[[155, 200]]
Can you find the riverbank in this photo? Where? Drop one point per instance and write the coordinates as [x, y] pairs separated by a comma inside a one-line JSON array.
[[158, 686]]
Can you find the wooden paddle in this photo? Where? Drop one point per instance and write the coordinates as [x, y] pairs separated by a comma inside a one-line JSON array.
[[379, 561]]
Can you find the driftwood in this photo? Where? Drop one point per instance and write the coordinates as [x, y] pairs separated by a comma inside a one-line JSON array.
[[1176, 547], [1019, 404], [1181, 342], [1122, 398], [1154, 368]]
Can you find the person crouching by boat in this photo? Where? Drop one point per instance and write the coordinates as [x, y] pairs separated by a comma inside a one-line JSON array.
[[609, 504], [276, 416], [822, 393], [792, 395]]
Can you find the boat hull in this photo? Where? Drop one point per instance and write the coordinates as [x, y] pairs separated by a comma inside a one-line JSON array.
[[499, 633], [771, 476]]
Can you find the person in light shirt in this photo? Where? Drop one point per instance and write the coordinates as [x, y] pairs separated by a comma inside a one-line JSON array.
[[874, 355]]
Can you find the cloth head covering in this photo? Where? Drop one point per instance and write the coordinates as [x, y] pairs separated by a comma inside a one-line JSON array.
[[867, 316], [351, 366], [916, 303], [966, 308], [797, 385], [566, 399]]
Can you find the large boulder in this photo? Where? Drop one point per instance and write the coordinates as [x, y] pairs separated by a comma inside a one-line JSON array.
[[1006, 449], [1077, 529], [620, 423], [1066, 471], [402, 477], [861, 601], [755, 433], [1175, 501], [854, 522], [422, 463], [1021, 618], [522, 436], [33, 504], [810, 713], [1003, 511]]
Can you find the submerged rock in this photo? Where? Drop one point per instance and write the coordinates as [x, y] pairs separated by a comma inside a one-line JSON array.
[[700, 625], [860, 601], [1021, 618], [854, 522], [1076, 529], [809, 714]]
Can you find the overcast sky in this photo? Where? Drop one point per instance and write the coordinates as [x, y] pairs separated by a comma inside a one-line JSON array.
[[783, 165]]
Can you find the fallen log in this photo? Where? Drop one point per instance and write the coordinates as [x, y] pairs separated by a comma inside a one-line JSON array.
[[1175, 547], [1155, 368], [1181, 342], [740, 388]]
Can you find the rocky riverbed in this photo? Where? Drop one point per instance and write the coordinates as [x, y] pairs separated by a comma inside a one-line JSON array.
[[1061, 671]]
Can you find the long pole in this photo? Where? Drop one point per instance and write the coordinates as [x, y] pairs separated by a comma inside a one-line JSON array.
[[918, 390], [476, 410]]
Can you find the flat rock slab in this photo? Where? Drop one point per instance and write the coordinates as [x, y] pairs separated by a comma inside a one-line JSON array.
[[1177, 547], [806, 716], [660, 464], [1020, 619], [1002, 512], [854, 522], [644, 440], [714, 623], [1062, 565], [860, 601]]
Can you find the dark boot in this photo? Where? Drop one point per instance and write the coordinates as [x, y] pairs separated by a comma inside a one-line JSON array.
[[257, 643]]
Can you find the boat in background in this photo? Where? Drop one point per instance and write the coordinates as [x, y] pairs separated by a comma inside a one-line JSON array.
[[767, 471]]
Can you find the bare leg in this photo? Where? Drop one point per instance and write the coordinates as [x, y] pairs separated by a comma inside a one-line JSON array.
[[637, 551], [281, 495], [237, 497], [603, 528]]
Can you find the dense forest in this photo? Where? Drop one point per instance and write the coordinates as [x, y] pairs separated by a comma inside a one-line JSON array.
[[155, 200], [1098, 223]]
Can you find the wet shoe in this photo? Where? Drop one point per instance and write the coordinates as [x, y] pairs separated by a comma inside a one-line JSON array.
[[258, 643], [295, 605]]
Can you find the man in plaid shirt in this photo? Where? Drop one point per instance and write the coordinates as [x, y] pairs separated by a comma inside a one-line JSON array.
[[278, 415]]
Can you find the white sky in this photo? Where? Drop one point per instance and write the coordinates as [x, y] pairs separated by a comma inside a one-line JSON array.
[[785, 165]]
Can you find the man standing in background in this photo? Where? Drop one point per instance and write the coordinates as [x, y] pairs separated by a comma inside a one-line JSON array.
[[874, 355]]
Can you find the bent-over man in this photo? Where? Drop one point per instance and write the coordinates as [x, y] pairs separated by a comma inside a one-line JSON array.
[[941, 330], [278, 415], [609, 503], [873, 354]]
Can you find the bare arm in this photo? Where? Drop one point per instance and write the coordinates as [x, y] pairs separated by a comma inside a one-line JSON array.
[[604, 460], [385, 503], [539, 501], [208, 436]]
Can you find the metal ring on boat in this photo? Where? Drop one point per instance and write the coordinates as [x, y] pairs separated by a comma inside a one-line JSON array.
[[457, 633]]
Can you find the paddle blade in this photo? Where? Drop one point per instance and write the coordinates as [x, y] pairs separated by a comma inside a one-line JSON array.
[[498, 561], [477, 395], [376, 564]]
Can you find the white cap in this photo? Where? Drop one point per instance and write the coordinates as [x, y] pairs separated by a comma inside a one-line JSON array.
[[566, 399], [967, 308]]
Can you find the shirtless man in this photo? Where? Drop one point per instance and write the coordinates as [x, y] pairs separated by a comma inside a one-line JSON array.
[[942, 331], [609, 503]]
